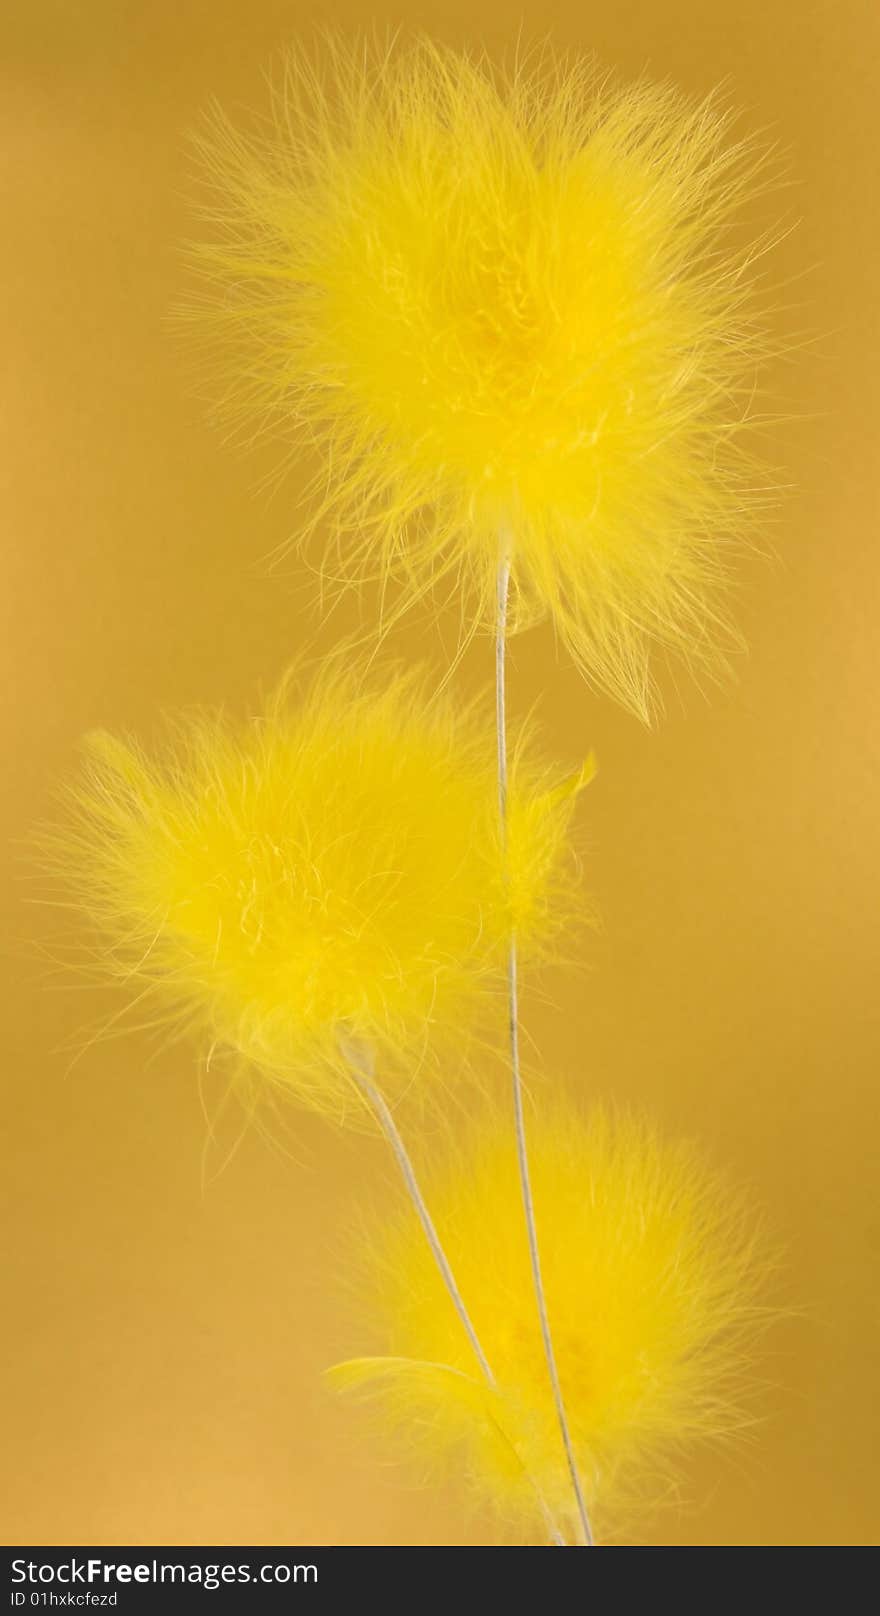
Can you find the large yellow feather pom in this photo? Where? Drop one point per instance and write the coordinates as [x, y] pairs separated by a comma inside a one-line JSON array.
[[651, 1276], [511, 312], [326, 878]]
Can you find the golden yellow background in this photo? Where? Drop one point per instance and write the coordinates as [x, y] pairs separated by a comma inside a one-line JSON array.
[[165, 1336]]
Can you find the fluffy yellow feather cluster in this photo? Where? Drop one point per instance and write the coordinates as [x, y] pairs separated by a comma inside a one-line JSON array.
[[651, 1279], [511, 312], [326, 877], [508, 310]]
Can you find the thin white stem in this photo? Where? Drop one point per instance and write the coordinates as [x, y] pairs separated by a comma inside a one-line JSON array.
[[516, 1071], [384, 1117], [360, 1067]]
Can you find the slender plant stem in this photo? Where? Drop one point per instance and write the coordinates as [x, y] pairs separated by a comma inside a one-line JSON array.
[[382, 1111], [516, 1071], [391, 1131]]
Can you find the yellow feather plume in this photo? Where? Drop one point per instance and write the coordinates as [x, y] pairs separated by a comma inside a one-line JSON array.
[[652, 1273], [509, 310], [326, 877]]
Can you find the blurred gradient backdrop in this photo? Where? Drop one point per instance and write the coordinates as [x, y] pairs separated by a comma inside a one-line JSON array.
[[169, 1315]]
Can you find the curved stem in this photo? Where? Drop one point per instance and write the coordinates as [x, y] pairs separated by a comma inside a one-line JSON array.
[[516, 1072], [390, 1129], [383, 1114]]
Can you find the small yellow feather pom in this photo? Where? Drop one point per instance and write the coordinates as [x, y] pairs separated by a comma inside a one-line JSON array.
[[326, 877], [511, 312], [651, 1277]]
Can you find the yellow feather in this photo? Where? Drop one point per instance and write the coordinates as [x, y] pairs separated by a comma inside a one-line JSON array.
[[501, 305], [325, 877], [652, 1271]]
